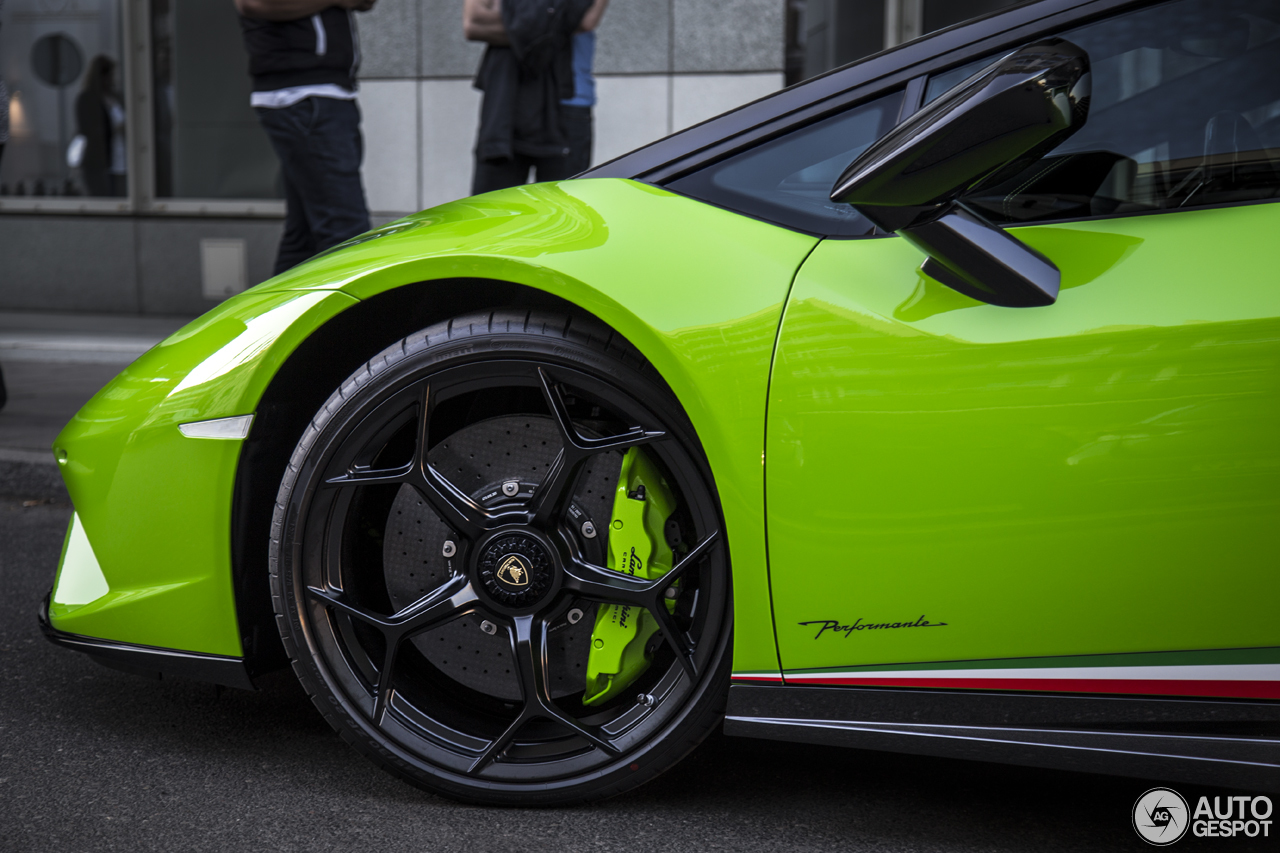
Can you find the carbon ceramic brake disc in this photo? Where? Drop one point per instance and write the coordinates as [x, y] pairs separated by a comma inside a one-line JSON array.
[[478, 459]]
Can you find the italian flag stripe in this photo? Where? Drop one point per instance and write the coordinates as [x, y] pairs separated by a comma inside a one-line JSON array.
[[768, 677], [1248, 681]]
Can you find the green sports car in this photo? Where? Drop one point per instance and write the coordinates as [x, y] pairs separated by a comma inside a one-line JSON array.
[[930, 405]]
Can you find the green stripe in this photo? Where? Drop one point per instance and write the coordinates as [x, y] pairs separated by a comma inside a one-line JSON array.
[[1205, 657]]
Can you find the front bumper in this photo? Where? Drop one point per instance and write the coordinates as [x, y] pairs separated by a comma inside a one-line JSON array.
[[150, 661]]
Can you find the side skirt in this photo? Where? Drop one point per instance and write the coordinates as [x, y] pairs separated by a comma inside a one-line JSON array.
[[149, 661], [1230, 743]]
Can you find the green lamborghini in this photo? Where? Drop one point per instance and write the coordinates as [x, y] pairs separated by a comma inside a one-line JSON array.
[[931, 405]]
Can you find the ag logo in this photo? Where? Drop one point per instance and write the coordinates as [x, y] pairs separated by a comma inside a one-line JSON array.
[[513, 571], [1160, 816]]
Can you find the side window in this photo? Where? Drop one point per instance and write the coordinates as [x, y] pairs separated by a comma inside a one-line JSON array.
[[1185, 112], [788, 180]]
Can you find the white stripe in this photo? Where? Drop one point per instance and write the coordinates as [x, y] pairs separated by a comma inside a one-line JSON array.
[[287, 97], [322, 38], [1214, 672], [898, 729]]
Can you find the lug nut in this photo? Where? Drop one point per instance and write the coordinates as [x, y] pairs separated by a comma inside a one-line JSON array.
[[510, 488], [646, 699], [671, 592], [449, 548], [488, 627], [575, 616], [588, 530]]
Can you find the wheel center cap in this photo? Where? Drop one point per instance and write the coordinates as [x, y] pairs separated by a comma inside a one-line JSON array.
[[515, 569]]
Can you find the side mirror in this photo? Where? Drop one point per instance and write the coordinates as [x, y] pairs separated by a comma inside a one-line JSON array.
[[985, 130]]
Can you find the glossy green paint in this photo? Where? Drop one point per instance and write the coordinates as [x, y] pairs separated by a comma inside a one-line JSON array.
[[155, 505], [1097, 476], [697, 289]]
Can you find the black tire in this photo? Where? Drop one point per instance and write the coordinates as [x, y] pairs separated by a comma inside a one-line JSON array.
[[370, 617]]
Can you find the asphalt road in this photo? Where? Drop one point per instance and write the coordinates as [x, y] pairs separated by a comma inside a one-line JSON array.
[[96, 760]]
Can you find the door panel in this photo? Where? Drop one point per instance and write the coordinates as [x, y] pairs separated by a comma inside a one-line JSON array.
[[1097, 476]]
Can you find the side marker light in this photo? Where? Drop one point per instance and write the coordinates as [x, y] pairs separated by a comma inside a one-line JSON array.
[[232, 429]]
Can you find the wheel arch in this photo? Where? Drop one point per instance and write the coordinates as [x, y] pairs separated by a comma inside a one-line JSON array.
[[300, 386]]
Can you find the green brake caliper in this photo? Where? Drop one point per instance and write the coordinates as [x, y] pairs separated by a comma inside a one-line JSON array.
[[637, 545]]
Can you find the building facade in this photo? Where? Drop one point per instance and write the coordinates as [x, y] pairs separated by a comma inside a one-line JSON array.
[[177, 204]]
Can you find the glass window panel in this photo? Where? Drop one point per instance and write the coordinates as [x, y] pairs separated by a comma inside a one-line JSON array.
[[940, 83], [60, 63], [788, 180], [209, 144], [1185, 113]]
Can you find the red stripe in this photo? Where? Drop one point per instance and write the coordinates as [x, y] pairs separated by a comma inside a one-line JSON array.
[[1151, 687]]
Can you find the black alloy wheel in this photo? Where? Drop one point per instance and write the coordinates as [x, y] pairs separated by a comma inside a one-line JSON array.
[[439, 553]]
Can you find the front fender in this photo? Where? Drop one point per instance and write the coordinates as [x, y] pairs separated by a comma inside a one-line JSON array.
[[698, 290]]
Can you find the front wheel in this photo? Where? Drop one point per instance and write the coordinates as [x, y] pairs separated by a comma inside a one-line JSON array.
[[499, 566]]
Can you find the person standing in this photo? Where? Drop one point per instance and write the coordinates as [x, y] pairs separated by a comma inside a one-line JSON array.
[[100, 120], [538, 89], [303, 57]]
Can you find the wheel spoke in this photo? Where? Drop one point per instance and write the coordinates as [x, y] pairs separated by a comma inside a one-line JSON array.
[[454, 598], [377, 620], [373, 476], [676, 639], [450, 600], [530, 638], [530, 650], [529, 646], [578, 444], [406, 404], [553, 494], [382, 691], [702, 549], [454, 508], [596, 583], [495, 748]]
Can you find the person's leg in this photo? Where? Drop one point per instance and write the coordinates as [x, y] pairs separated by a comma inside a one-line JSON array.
[[286, 127], [320, 149], [493, 175], [334, 193], [296, 243], [575, 124]]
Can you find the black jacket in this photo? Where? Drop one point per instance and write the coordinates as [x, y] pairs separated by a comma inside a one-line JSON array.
[[524, 84], [320, 48]]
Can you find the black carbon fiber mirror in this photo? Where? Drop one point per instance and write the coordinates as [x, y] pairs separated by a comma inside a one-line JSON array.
[[985, 130]]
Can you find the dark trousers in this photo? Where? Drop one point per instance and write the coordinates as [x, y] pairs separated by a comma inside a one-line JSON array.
[[320, 149], [499, 174]]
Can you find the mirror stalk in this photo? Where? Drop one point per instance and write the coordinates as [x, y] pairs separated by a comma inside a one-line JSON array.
[[969, 254]]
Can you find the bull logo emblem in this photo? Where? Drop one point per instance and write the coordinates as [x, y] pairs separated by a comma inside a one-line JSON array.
[[513, 571]]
